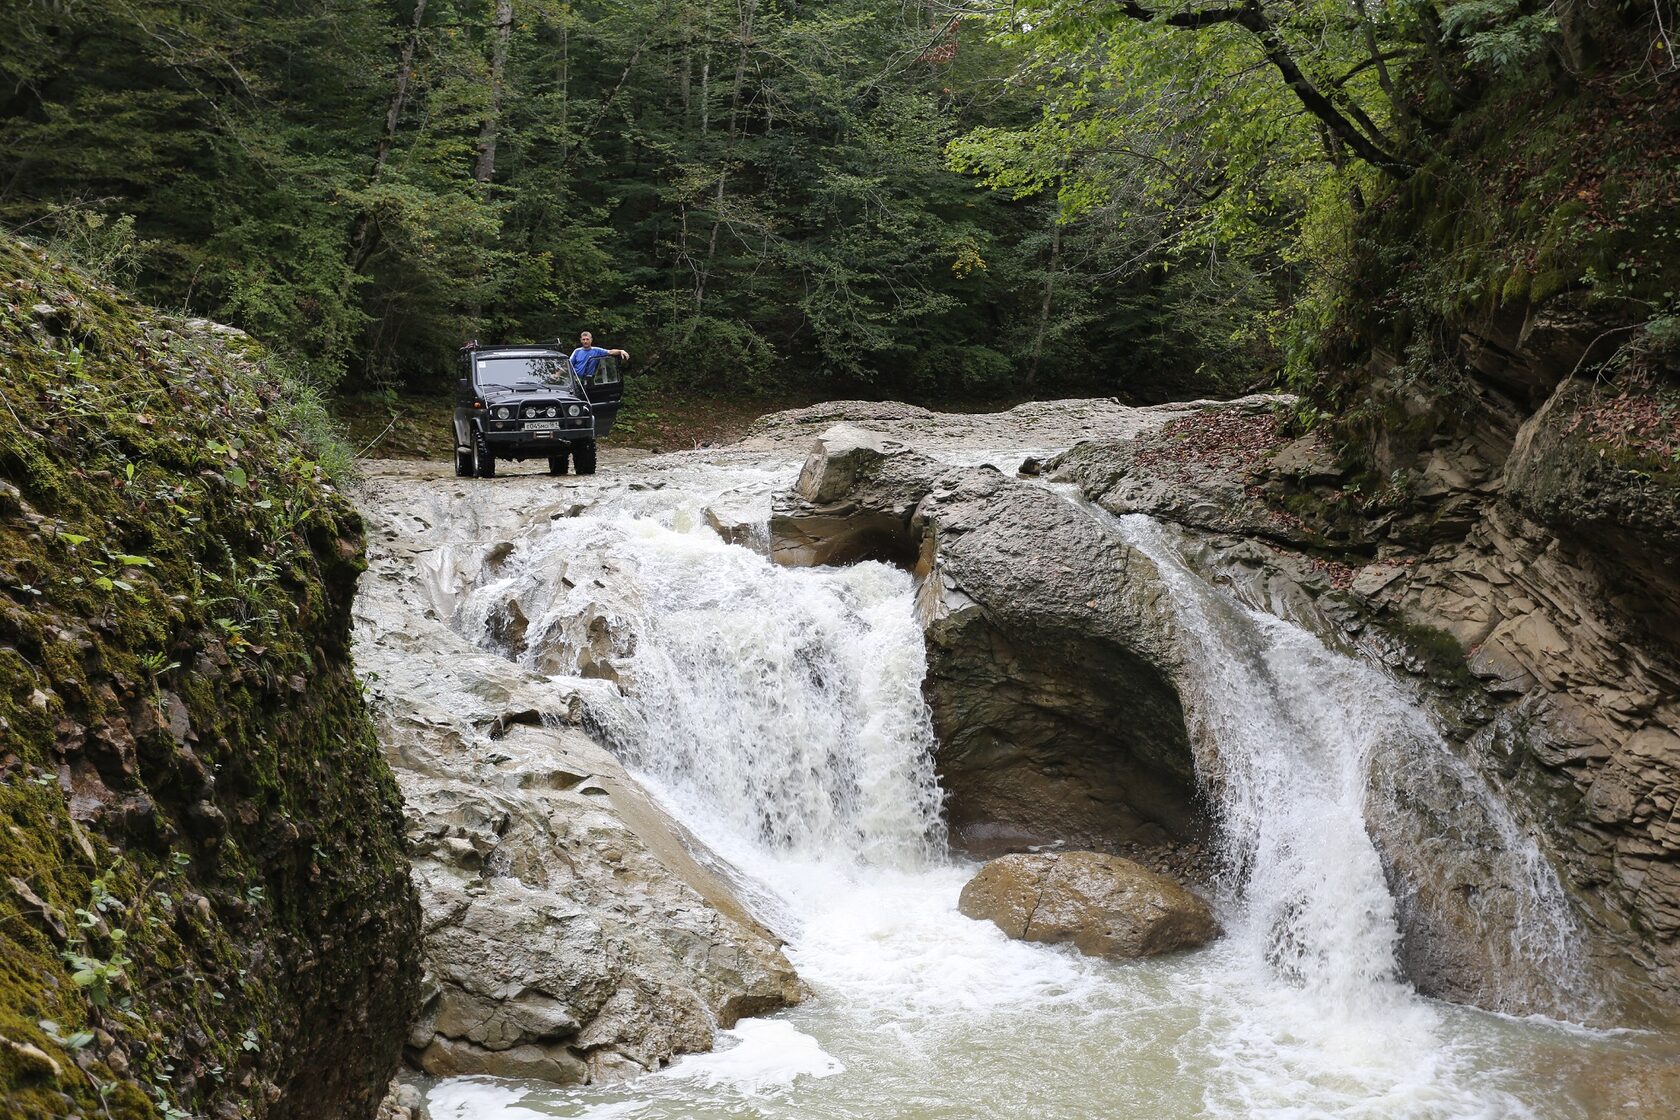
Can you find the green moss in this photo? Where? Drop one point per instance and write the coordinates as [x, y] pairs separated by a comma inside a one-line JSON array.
[[1517, 286], [1442, 658], [183, 737]]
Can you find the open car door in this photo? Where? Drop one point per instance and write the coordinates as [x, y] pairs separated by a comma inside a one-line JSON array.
[[605, 392]]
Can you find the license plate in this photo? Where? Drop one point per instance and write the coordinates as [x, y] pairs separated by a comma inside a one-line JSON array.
[[541, 425]]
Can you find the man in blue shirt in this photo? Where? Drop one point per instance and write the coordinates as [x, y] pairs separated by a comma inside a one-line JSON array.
[[588, 355]]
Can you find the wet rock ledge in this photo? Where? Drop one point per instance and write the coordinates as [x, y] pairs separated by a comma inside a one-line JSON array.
[[1053, 677], [572, 931]]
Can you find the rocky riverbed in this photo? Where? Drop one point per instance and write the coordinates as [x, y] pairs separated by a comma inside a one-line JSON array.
[[525, 639], [572, 930]]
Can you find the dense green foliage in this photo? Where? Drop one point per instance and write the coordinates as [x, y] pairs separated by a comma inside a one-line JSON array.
[[854, 196], [204, 895], [744, 194], [1382, 170]]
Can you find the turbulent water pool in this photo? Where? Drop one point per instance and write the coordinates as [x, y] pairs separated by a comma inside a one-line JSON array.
[[778, 713]]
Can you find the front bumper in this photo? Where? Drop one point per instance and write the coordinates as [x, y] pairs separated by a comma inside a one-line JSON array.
[[511, 438]]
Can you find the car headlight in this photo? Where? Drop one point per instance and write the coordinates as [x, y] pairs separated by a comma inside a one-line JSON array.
[[530, 412], [503, 413], [574, 410], [551, 411]]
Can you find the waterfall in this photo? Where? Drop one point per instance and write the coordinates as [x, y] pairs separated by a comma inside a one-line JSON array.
[[779, 714], [781, 708], [1302, 747]]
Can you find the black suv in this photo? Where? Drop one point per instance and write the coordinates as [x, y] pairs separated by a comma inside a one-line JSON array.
[[524, 402]]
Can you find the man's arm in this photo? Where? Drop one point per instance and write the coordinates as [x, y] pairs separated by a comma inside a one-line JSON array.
[[621, 355]]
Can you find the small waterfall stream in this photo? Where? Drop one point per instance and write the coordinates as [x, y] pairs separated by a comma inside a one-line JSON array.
[[778, 713], [1301, 745]]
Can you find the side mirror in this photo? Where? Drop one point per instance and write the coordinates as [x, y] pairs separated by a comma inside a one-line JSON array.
[[463, 388]]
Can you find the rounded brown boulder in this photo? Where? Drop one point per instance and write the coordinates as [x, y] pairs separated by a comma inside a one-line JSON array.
[[1106, 906]]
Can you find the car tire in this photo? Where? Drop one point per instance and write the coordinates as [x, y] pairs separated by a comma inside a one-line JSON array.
[[557, 463], [484, 463], [463, 463], [583, 457]]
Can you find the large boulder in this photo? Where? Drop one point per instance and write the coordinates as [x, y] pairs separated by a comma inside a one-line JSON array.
[[574, 932], [1103, 905], [1049, 656]]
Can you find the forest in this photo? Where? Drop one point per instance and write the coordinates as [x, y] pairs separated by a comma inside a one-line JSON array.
[[933, 199], [1194, 479]]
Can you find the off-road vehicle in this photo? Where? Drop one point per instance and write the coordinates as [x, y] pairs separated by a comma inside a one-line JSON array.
[[524, 402]]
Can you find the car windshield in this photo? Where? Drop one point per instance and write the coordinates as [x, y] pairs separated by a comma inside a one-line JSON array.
[[540, 370]]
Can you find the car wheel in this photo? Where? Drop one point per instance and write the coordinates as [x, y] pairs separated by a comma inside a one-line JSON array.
[[583, 457], [463, 464], [557, 463], [484, 463]]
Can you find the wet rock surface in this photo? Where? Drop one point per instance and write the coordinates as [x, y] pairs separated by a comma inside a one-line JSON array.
[[1528, 586], [1103, 905], [573, 931], [1052, 668], [1048, 663]]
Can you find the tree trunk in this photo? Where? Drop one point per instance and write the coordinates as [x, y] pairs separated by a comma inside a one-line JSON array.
[[565, 91], [1396, 104], [746, 12], [361, 243], [706, 92], [1046, 303], [686, 84], [501, 33]]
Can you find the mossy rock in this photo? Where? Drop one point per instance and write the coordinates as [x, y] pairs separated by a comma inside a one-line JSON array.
[[206, 908], [1602, 481]]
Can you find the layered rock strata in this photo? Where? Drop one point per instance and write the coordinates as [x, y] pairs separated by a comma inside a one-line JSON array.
[[1528, 585]]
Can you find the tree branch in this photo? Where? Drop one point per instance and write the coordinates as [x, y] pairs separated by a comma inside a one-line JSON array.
[[1252, 18]]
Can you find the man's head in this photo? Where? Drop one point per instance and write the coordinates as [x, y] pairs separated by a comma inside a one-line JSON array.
[[586, 339]]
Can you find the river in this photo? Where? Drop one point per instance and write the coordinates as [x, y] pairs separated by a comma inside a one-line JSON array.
[[778, 713]]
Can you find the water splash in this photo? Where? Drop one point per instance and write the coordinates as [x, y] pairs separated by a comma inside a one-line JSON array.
[[779, 714], [785, 704], [1305, 749]]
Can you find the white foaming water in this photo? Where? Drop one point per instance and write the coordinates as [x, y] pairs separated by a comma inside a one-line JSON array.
[[1296, 740], [790, 702], [783, 704], [779, 714]]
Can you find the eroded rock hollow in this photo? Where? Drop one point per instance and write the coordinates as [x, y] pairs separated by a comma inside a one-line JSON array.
[[1049, 674], [1056, 677]]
